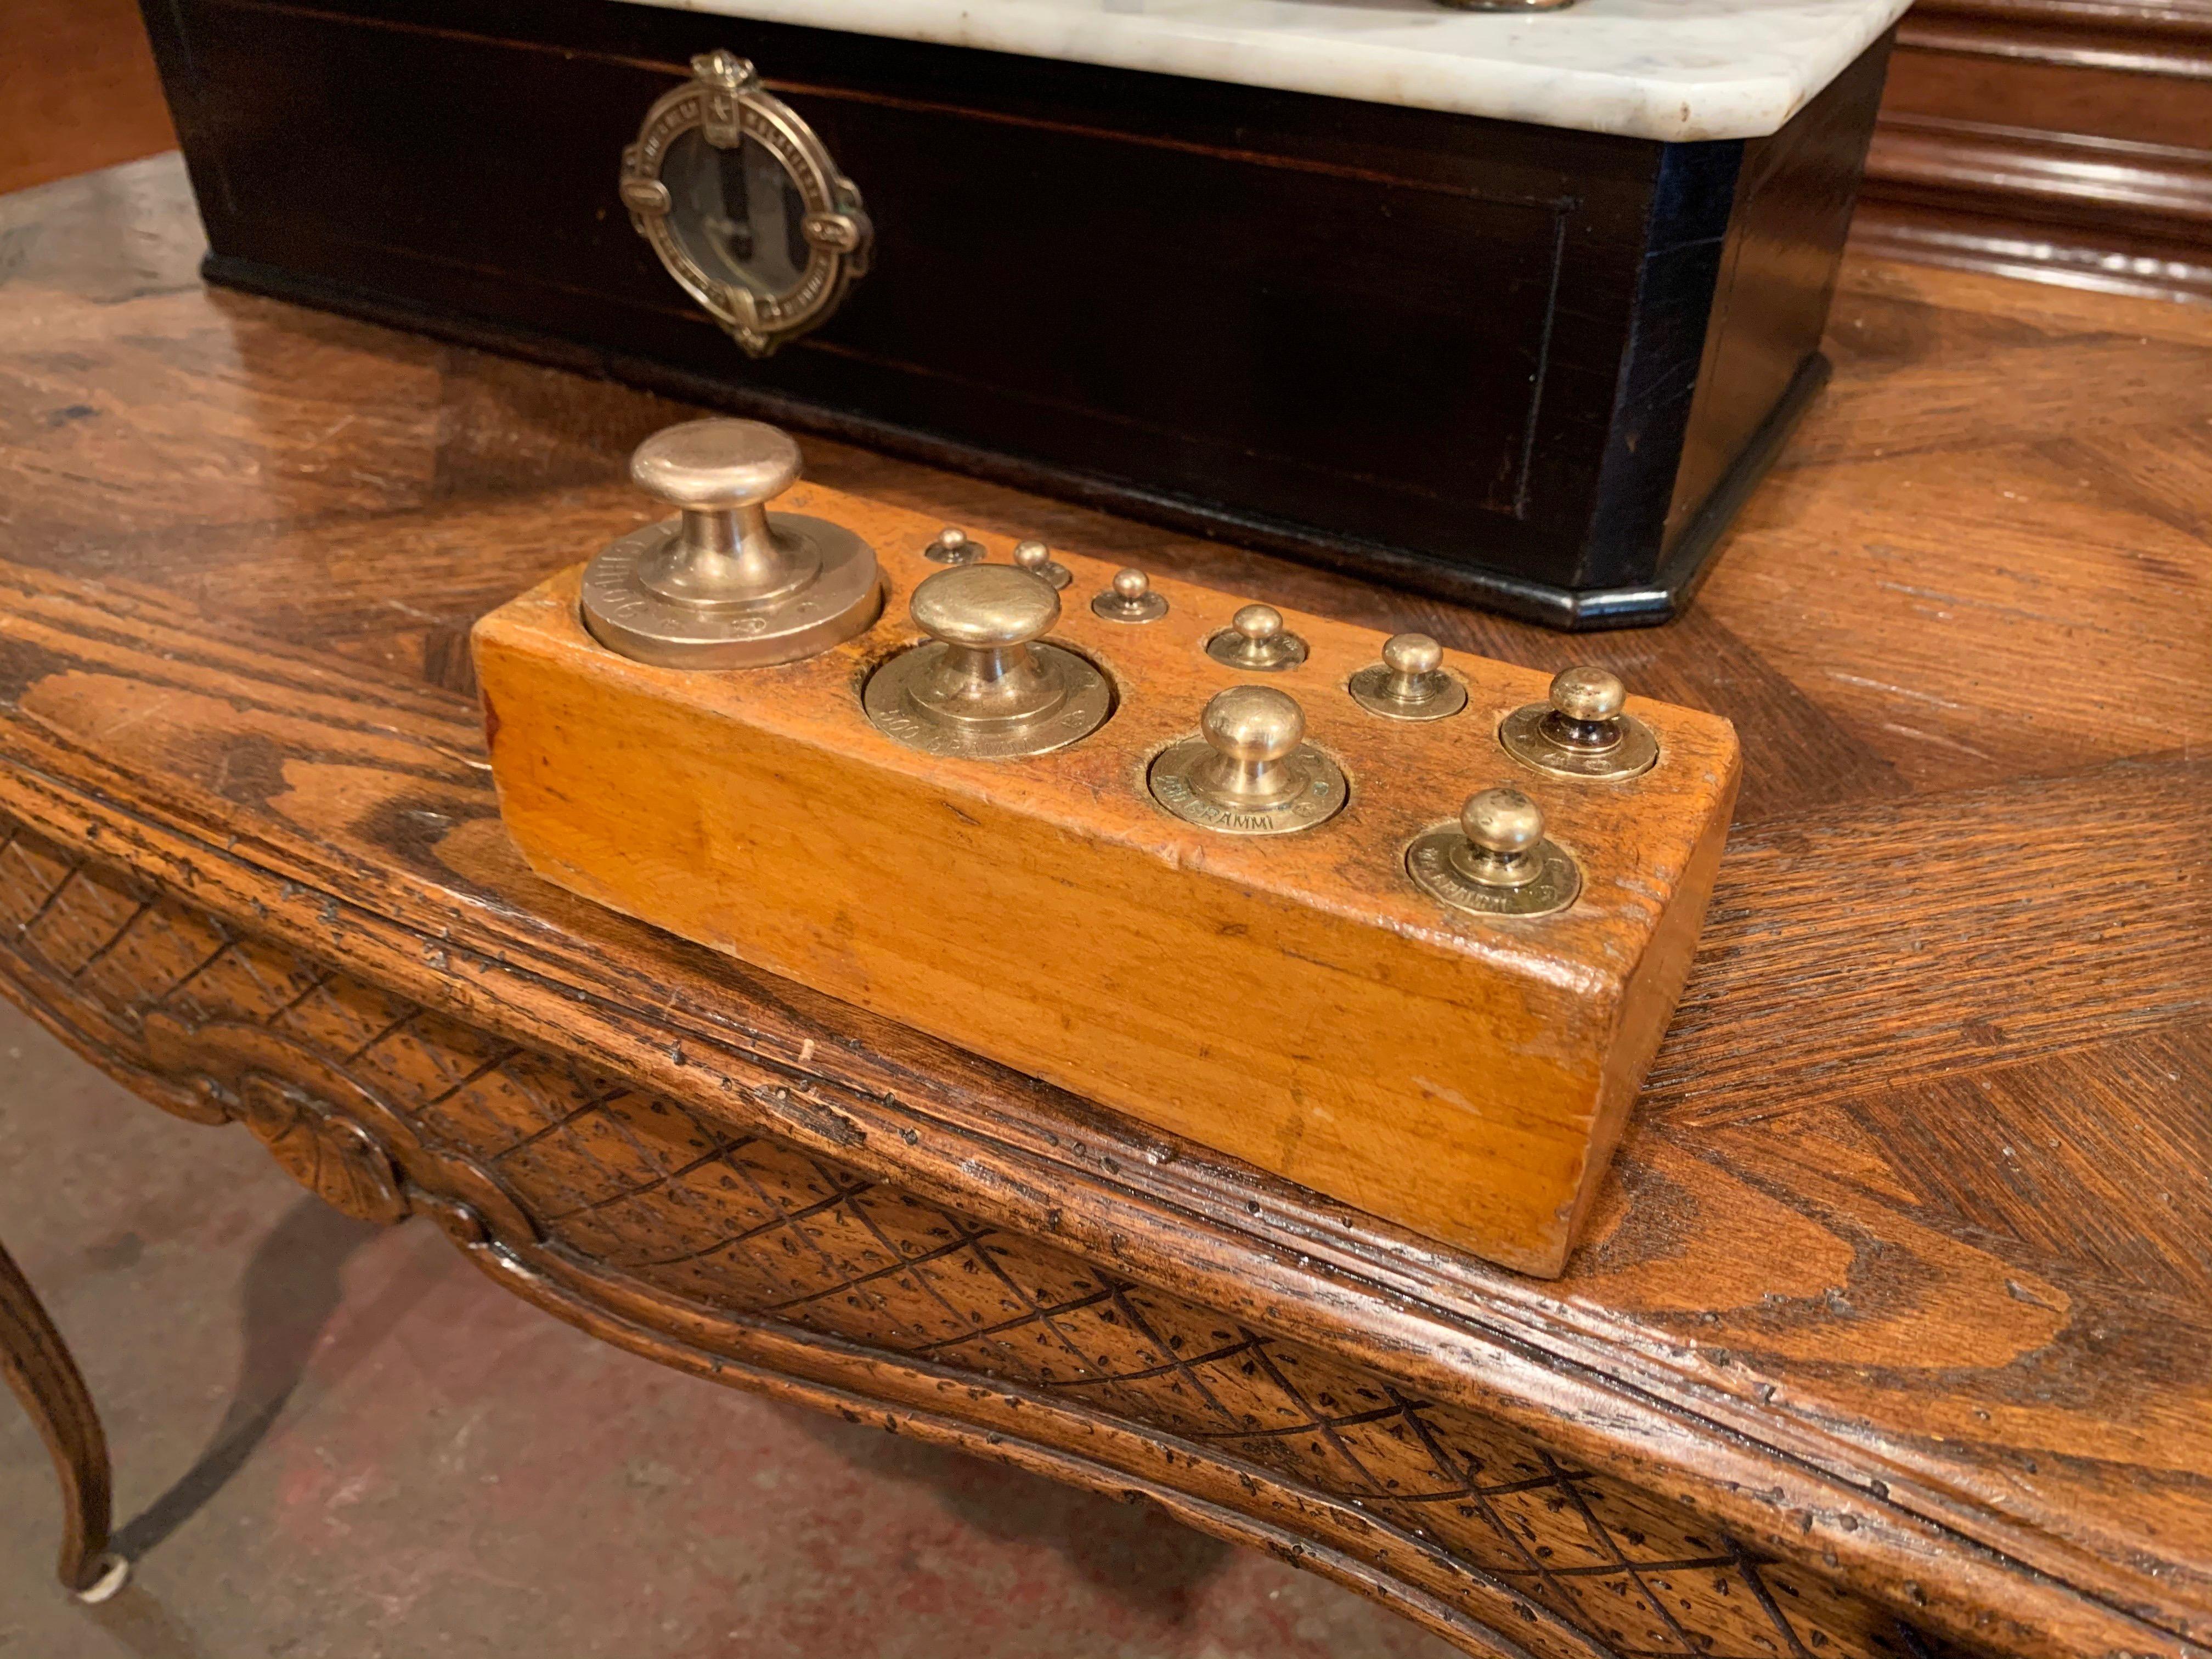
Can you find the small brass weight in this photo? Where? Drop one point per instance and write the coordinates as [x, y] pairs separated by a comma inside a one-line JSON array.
[[987, 684], [1257, 641], [727, 584], [1581, 732], [1249, 771], [1495, 861], [1409, 684]]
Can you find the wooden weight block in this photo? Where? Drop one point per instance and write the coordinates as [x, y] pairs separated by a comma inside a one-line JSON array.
[[1293, 1000]]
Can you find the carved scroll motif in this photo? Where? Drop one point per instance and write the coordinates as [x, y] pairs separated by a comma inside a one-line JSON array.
[[331, 1156]]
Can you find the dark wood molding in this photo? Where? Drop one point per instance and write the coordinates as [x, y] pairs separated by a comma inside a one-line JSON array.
[[2077, 257], [2148, 44], [2175, 17], [2065, 140], [2152, 189]]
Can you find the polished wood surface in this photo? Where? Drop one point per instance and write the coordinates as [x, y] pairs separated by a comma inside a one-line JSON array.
[[1292, 1000], [1897, 1305], [2070, 140]]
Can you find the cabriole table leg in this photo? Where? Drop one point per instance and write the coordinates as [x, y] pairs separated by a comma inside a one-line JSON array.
[[38, 1367]]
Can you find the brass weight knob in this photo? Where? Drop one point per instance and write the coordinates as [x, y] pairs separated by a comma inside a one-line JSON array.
[[1581, 731], [726, 583], [1130, 599], [1036, 558], [722, 474], [1496, 861], [1253, 732], [953, 545], [985, 620], [1590, 700], [1504, 831], [1249, 770], [1414, 661], [1257, 641], [987, 684], [1410, 683]]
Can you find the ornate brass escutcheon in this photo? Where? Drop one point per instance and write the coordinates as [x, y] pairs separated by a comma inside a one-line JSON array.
[[745, 206]]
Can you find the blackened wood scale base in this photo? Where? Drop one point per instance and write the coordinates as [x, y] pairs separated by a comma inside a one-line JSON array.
[[1521, 367]]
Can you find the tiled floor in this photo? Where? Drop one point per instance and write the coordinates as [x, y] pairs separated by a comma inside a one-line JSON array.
[[335, 1441]]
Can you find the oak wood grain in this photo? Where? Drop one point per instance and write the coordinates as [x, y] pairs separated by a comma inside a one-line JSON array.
[[1899, 1284]]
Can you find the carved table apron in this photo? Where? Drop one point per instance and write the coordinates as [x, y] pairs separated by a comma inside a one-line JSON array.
[[748, 1238], [693, 1237], [1786, 1403]]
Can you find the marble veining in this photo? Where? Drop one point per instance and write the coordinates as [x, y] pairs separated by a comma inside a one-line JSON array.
[[1673, 69]]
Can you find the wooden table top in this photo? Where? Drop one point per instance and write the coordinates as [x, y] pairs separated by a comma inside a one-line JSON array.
[[1906, 1264]]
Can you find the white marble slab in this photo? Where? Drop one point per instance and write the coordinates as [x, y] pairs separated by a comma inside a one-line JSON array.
[[1649, 68]]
